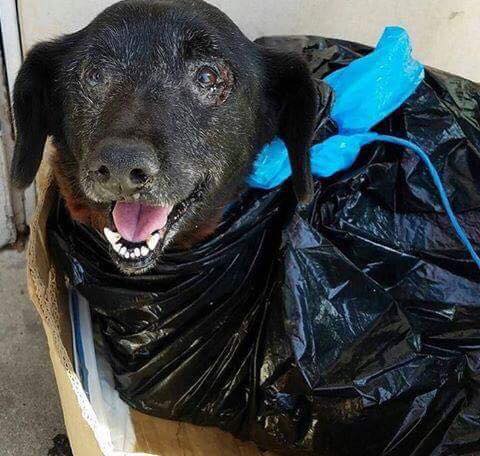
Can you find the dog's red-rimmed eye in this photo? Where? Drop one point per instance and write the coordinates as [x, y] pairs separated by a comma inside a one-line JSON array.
[[94, 77], [207, 77]]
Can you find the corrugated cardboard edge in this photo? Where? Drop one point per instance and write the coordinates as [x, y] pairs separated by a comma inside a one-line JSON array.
[[87, 438]]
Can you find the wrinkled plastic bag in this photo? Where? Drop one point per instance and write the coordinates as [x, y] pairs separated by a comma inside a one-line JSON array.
[[349, 327]]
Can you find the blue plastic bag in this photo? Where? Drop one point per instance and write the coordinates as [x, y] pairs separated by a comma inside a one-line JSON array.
[[366, 92]]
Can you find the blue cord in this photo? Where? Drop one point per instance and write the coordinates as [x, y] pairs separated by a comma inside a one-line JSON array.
[[441, 190]]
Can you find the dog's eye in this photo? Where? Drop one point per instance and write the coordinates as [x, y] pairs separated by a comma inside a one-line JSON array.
[[94, 77], [207, 77]]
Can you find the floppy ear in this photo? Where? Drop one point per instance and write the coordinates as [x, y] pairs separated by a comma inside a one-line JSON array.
[[33, 113], [295, 96]]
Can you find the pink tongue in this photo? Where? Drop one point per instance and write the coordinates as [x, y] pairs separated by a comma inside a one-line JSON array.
[[136, 222]]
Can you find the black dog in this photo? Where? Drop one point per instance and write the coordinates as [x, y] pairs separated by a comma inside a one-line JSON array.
[[157, 111]]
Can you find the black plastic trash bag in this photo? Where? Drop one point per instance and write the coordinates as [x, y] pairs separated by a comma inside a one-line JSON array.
[[349, 327]]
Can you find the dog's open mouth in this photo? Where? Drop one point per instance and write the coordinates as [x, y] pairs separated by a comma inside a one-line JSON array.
[[140, 229]]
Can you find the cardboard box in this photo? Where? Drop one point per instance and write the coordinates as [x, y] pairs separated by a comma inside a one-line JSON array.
[[154, 436]]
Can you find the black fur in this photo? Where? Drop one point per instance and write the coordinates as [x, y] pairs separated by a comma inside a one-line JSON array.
[[131, 74]]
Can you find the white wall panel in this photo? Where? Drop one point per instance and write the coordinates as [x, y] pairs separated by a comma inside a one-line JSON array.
[[446, 33]]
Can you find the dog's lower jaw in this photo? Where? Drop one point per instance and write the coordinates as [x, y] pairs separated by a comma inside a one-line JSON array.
[[188, 239]]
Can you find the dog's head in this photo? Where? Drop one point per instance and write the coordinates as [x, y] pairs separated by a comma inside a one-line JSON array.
[[157, 110]]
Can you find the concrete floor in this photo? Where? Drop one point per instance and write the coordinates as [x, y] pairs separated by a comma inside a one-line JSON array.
[[30, 413]]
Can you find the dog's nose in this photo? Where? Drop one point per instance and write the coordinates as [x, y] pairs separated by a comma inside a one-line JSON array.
[[123, 168]]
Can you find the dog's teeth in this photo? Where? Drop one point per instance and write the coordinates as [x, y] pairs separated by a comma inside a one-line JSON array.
[[144, 251], [137, 252], [112, 237], [123, 251], [152, 241], [117, 247], [127, 255]]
